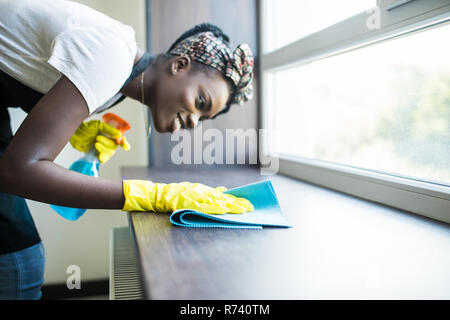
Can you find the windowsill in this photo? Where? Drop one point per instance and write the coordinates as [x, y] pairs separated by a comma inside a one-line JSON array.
[[340, 247], [360, 249]]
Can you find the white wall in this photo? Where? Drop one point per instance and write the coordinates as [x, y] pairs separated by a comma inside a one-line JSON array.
[[86, 242]]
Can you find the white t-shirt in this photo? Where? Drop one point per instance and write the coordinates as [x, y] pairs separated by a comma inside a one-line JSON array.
[[42, 39]]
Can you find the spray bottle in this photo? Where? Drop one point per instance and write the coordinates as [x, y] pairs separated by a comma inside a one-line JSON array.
[[89, 164]]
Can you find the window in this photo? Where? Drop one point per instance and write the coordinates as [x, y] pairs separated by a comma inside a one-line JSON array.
[[385, 107], [291, 20], [358, 107]]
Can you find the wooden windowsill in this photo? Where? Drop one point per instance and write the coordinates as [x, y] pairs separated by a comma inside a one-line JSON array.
[[340, 247]]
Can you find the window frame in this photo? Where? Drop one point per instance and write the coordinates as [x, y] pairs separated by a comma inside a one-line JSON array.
[[397, 19]]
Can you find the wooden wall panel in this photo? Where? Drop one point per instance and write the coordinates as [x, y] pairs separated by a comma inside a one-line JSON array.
[[169, 19]]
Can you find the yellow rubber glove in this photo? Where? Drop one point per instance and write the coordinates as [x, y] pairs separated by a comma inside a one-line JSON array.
[[141, 195], [90, 133]]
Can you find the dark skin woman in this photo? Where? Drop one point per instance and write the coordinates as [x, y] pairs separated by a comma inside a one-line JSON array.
[[173, 84], [197, 79]]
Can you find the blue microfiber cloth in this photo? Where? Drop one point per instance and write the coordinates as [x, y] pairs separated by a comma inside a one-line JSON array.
[[261, 194]]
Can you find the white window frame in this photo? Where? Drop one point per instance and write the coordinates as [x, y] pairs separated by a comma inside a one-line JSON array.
[[397, 18]]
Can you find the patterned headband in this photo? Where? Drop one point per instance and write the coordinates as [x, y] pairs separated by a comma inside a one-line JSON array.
[[212, 51]]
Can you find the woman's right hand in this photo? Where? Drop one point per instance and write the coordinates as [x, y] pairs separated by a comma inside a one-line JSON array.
[[101, 135], [141, 195]]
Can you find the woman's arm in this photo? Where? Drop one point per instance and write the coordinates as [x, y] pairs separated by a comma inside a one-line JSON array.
[[27, 168]]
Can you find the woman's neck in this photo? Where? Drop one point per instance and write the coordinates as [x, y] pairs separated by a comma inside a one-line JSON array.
[[133, 88]]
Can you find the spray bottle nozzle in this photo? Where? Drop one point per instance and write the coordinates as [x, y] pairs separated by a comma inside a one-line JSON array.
[[118, 123]]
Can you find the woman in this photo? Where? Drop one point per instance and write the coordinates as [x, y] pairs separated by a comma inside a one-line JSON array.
[[61, 62]]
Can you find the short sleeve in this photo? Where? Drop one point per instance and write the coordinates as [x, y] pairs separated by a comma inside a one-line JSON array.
[[96, 60]]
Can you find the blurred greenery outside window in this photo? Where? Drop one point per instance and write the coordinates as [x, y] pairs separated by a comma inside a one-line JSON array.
[[385, 107]]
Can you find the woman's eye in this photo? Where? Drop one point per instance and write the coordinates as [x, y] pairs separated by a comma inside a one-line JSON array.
[[201, 102]]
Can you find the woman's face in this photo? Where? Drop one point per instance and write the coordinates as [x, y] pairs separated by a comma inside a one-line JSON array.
[[182, 95]]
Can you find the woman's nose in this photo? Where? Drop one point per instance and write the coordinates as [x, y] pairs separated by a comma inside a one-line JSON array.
[[192, 120]]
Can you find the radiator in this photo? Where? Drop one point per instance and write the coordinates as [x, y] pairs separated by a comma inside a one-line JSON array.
[[124, 282]]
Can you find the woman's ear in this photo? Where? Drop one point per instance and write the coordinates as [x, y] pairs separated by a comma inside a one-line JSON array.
[[180, 64]]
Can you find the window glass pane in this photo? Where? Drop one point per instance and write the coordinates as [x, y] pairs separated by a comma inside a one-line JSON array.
[[384, 107], [290, 20]]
